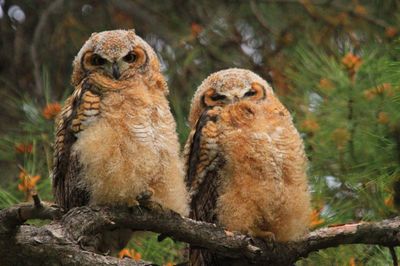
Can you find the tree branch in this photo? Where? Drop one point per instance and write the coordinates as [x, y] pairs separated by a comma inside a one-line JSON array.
[[16, 215], [61, 239]]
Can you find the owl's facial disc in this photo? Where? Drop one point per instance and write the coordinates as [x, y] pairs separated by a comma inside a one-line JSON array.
[[214, 98], [114, 67], [92, 62]]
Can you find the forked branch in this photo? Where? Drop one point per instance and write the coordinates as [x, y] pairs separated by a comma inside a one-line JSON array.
[[61, 239]]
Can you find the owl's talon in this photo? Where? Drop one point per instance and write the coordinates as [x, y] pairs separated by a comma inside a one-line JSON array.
[[144, 200], [145, 196], [267, 236], [150, 205], [140, 210]]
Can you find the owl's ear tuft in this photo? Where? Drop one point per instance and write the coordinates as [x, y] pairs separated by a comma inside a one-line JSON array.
[[93, 34], [133, 30]]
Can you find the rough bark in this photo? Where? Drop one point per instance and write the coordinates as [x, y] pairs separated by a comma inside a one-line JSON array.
[[61, 242]]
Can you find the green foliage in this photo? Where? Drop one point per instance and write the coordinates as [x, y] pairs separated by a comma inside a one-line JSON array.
[[350, 121], [157, 252], [6, 199]]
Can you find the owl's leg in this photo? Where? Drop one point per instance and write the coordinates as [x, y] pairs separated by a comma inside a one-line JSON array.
[[267, 236], [259, 233]]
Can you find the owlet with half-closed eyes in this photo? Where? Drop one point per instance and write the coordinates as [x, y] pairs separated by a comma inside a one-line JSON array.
[[116, 137], [245, 162]]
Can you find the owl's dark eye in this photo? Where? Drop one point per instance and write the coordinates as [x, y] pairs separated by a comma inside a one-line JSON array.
[[217, 97], [97, 60], [130, 57], [250, 93]]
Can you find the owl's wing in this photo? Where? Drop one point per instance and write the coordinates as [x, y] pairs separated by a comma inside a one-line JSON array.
[[202, 162], [203, 159], [66, 166]]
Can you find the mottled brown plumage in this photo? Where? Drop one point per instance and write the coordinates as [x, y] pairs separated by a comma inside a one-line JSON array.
[[116, 137], [246, 167]]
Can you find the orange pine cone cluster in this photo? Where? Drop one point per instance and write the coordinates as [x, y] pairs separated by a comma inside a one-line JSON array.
[[360, 10], [351, 62], [51, 110], [383, 118], [310, 125], [389, 201], [196, 29], [326, 84], [381, 89], [340, 136], [23, 148], [28, 183], [130, 253], [391, 32], [316, 219]]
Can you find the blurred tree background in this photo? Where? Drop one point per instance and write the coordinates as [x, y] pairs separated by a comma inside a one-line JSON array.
[[334, 63]]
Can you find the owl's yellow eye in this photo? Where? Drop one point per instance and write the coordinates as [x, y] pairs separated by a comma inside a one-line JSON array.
[[97, 60], [130, 57]]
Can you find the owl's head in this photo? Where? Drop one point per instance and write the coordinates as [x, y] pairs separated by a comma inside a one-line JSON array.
[[117, 54], [227, 87]]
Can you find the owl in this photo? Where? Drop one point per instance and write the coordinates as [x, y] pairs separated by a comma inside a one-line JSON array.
[[245, 162], [115, 136]]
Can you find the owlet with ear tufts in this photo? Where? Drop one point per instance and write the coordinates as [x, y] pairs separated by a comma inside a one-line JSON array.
[[116, 137], [245, 162]]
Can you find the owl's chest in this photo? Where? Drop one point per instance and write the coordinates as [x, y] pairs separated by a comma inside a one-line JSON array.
[[252, 152], [138, 124]]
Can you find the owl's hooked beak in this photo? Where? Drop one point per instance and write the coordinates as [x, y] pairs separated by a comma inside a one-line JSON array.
[[115, 70]]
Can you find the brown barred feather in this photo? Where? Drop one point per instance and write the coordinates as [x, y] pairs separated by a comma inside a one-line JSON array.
[[67, 192], [202, 166]]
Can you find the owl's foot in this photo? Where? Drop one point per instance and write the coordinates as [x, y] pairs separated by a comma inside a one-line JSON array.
[[145, 201], [140, 200], [145, 195], [267, 236]]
